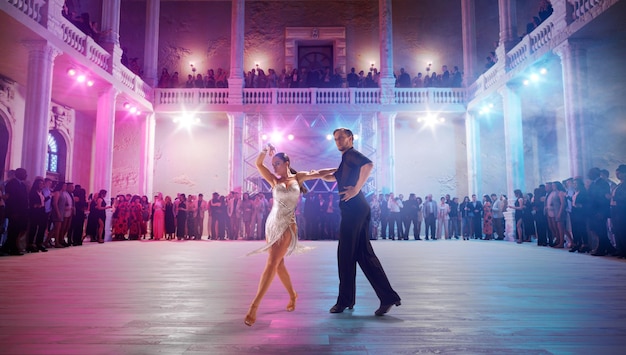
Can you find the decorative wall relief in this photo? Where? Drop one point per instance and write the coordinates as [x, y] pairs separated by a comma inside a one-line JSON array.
[[7, 96]]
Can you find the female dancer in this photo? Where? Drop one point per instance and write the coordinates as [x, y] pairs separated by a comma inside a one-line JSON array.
[[280, 229]]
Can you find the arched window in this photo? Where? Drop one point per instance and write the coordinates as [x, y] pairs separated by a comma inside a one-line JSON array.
[[52, 163], [56, 158]]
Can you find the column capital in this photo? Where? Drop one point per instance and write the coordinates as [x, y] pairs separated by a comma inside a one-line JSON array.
[[42, 46], [568, 46], [109, 90]]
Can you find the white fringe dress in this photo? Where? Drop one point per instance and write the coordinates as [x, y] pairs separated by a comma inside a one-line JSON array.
[[282, 217]]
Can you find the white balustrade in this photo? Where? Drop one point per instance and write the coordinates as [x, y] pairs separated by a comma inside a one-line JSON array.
[[73, 36], [411, 96], [213, 96], [581, 7], [367, 96], [97, 54], [293, 96], [257, 96], [332, 96], [541, 35], [519, 53], [31, 8]]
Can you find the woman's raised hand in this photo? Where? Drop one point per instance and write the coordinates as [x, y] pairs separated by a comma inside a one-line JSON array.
[[271, 149]]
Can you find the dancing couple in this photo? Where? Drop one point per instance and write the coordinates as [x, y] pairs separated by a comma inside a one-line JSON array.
[[354, 243]]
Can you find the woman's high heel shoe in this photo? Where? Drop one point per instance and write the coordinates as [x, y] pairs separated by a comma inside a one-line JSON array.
[[251, 316], [291, 306]]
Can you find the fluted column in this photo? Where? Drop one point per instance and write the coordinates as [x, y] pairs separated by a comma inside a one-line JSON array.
[[513, 139], [385, 28], [111, 22], [146, 168], [474, 168], [151, 45], [105, 127], [508, 23], [41, 56], [110, 40], [468, 20], [574, 66], [235, 151], [386, 162], [237, 34]]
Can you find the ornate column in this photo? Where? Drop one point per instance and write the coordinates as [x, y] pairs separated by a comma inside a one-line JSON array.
[[385, 27], [513, 140], [235, 151], [469, 40], [41, 56], [574, 65], [237, 33], [385, 164], [508, 24], [105, 127], [474, 168], [111, 21], [110, 41], [146, 168], [151, 45]]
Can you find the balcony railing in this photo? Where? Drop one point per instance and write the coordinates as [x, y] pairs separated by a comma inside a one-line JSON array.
[[309, 96], [581, 7], [31, 8], [47, 13]]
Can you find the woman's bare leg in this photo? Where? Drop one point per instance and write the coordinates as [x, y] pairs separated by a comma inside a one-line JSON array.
[[276, 254], [283, 274]]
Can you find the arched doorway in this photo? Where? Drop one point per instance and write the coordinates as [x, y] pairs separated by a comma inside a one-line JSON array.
[[56, 160]]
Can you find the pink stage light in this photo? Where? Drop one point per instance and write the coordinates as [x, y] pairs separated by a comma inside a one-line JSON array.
[[81, 78], [290, 137]]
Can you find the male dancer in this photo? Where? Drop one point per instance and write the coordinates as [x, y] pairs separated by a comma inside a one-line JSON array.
[[354, 242]]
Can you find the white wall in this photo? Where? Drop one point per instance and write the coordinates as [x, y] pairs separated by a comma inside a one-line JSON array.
[[193, 160], [430, 161]]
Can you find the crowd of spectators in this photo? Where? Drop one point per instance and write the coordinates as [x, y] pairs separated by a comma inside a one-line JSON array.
[[545, 10], [82, 21], [444, 79], [585, 216], [256, 78]]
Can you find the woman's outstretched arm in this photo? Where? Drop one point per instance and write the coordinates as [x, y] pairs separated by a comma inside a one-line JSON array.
[[263, 170], [325, 174]]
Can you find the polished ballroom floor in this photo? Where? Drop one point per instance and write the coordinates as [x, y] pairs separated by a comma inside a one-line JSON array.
[[458, 297]]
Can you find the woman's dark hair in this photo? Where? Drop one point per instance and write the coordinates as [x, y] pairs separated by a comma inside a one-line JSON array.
[[518, 193], [36, 183], [58, 186], [285, 158], [580, 183], [487, 198], [102, 193], [559, 186]]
